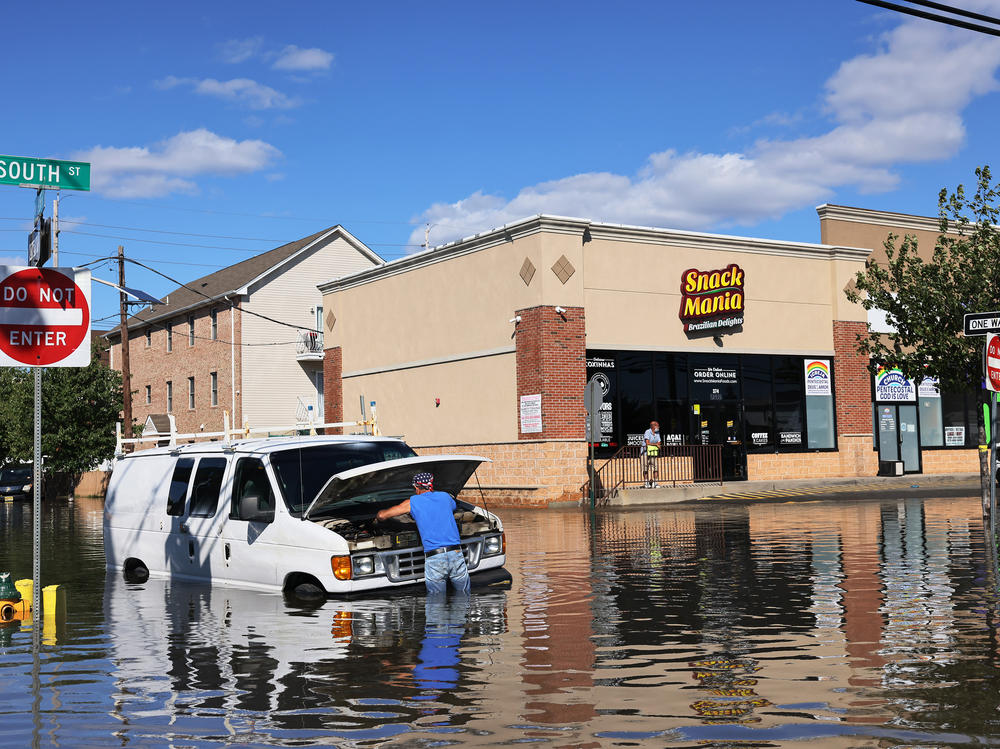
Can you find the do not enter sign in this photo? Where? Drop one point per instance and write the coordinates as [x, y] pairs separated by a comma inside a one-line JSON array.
[[993, 362], [44, 317]]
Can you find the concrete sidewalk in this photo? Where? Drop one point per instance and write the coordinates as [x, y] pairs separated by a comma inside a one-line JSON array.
[[737, 490]]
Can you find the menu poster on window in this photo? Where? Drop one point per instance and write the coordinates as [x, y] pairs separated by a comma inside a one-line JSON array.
[[818, 377], [602, 368], [531, 413], [954, 436]]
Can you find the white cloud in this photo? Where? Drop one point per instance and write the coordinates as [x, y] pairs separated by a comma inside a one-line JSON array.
[[240, 50], [296, 58], [240, 90], [900, 104], [168, 166]]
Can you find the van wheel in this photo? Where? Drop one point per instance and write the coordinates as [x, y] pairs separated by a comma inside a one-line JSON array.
[[304, 589], [308, 591], [135, 571]]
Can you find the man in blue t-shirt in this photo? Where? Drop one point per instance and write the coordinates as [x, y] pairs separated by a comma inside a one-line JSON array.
[[434, 513]]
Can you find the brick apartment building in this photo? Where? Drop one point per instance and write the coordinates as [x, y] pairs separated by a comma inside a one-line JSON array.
[[244, 339]]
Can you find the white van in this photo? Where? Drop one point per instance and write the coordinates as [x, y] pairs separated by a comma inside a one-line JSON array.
[[293, 514]]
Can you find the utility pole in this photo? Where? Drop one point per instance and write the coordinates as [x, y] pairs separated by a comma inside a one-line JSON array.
[[126, 373]]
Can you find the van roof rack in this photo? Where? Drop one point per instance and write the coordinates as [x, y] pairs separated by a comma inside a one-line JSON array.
[[230, 434]]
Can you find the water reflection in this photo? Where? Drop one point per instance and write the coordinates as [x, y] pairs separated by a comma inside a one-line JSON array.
[[849, 623]]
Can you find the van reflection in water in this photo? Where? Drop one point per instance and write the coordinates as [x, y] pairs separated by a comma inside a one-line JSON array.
[[262, 664]]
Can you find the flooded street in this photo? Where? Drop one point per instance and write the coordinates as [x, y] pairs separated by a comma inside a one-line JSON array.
[[834, 623]]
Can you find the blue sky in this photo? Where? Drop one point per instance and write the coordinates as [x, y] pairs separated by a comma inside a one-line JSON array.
[[241, 126]]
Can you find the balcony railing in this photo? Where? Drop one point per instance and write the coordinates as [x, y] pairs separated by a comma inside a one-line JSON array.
[[309, 346]]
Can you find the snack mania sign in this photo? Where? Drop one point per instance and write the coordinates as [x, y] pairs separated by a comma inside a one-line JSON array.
[[712, 299]]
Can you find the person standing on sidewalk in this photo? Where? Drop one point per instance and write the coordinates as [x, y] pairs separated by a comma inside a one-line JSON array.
[[434, 514], [650, 453]]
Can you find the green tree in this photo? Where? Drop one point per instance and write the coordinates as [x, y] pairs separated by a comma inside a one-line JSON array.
[[80, 406], [926, 299]]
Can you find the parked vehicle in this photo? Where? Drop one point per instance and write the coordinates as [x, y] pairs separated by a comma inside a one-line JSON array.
[[286, 514], [16, 482]]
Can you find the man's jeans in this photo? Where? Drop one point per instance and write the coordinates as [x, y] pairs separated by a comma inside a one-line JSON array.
[[448, 565]]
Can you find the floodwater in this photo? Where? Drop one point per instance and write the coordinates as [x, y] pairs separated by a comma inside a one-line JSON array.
[[843, 623]]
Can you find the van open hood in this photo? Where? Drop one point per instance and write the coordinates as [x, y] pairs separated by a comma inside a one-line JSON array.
[[392, 480]]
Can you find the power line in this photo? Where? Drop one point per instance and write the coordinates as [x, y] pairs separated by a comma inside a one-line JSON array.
[[201, 293], [939, 18]]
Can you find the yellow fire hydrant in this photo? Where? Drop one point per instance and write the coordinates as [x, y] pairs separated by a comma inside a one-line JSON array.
[[14, 606]]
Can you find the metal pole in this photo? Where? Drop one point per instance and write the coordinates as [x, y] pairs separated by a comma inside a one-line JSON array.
[[993, 467], [55, 231], [36, 545], [126, 373], [593, 489]]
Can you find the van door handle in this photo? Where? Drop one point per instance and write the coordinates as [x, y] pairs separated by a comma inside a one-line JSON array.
[[227, 552]]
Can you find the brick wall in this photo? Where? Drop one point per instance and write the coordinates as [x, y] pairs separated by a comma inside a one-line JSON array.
[[154, 366], [854, 457], [551, 360], [333, 387], [950, 461], [532, 473], [853, 392]]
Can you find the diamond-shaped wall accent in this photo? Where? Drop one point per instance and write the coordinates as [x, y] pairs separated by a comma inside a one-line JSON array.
[[527, 272], [331, 320], [563, 269]]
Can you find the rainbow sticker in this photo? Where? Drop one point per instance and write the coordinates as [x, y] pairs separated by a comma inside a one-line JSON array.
[[818, 380]]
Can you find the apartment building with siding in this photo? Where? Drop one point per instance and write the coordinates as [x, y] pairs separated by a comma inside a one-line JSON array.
[[243, 339]]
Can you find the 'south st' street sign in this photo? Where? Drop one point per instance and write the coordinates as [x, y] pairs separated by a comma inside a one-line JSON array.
[[44, 317], [48, 173]]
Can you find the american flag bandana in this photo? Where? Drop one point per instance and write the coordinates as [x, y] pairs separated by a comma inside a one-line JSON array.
[[424, 480]]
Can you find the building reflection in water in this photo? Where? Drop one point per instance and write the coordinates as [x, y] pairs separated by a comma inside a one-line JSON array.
[[621, 626]]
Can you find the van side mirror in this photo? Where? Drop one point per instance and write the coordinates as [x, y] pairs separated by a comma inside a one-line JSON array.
[[251, 510]]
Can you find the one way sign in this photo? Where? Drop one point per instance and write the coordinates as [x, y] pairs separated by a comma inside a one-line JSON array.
[[981, 323]]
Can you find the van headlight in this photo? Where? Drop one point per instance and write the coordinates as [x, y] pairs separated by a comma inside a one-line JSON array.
[[364, 565], [26, 488], [493, 545]]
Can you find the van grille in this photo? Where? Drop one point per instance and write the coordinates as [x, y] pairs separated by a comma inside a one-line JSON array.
[[408, 564]]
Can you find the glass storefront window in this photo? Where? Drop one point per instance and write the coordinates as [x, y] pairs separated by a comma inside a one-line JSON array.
[[758, 412], [788, 395], [819, 417], [635, 383], [955, 421], [931, 425]]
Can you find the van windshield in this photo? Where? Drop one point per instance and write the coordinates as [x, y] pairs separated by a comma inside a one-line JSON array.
[[302, 472]]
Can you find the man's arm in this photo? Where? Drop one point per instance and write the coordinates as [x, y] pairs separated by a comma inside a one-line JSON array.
[[390, 512]]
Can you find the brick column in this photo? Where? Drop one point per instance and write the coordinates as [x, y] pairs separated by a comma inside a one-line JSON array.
[[853, 398], [853, 395], [551, 360], [333, 387]]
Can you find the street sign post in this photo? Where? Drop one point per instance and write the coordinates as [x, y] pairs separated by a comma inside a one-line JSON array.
[[44, 317], [593, 397], [51, 174], [981, 323]]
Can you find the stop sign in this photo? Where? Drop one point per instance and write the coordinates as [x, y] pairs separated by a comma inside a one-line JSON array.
[[993, 362], [44, 317]]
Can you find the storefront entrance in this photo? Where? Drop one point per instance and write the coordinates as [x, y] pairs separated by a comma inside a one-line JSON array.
[[721, 423], [899, 435]]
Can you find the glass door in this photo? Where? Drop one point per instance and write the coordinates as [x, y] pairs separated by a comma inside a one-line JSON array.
[[720, 423], [899, 435]]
